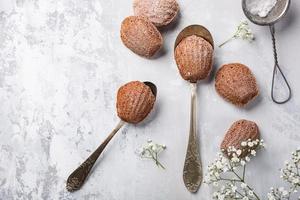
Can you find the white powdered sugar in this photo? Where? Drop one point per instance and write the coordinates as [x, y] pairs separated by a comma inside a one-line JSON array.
[[260, 7]]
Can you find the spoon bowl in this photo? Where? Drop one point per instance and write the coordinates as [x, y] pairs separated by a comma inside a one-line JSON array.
[[152, 87], [197, 30], [275, 14]]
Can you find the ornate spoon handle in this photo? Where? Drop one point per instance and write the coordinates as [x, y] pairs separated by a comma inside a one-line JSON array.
[[77, 178], [192, 171]]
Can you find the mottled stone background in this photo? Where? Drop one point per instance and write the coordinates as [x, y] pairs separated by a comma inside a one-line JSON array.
[[61, 63]]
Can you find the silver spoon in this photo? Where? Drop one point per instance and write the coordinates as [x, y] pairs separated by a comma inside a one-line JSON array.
[[192, 171], [78, 176], [275, 14]]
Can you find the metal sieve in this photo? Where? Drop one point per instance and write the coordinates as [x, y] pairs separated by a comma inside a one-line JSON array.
[[275, 14]]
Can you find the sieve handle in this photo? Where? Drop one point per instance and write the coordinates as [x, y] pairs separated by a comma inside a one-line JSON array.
[[277, 67]]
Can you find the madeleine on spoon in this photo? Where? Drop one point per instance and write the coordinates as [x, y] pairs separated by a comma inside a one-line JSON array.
[[194, 53], [135, 100]]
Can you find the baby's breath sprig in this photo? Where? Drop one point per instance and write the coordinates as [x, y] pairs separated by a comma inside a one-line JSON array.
[[152, 150], [290, 174], [243, 32], [227, 173]]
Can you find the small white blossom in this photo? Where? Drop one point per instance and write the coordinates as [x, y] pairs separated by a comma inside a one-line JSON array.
[[250, 193], [247, 158], [243, 162], [219, 164], [235, 159], [253, 152], [234, 188], [250, 144], [244, 185], [239, 152], [243, 144]]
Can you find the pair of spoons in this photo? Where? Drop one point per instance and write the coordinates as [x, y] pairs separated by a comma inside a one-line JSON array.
[[133, 106], [193, 55]]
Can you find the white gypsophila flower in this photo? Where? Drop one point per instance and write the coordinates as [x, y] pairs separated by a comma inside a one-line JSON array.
[[244, 185], [253, 152], [235, 159], [250, 192], [250, 144], [152, 150], [243, 163], [227, 173], [290, 174], [234, 188], [255, 142], [219, 164], [243, 144], [247, 158], [243, 32]]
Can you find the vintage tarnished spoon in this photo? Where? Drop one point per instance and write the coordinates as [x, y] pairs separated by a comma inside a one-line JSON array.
[[194, 56], [143, 96], [274, 16]]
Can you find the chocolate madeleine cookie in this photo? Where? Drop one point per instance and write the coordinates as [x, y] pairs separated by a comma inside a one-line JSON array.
[[194, 58], [135, 100], [140, 36], [159, 12], [241, 131], [236, 83]]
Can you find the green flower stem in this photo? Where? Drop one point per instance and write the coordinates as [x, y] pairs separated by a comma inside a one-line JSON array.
[[244, 171], [227, 41], [297, 169], [156, 160], [253, 193], [240, 194], [243, 181], [226, 179], [154, 157], [160, 165]]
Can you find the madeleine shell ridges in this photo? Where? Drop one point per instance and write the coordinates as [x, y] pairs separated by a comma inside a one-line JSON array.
[[159, 12], [194, 58], [135, 100], [140, 36], [236, 83], [240, 131]]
